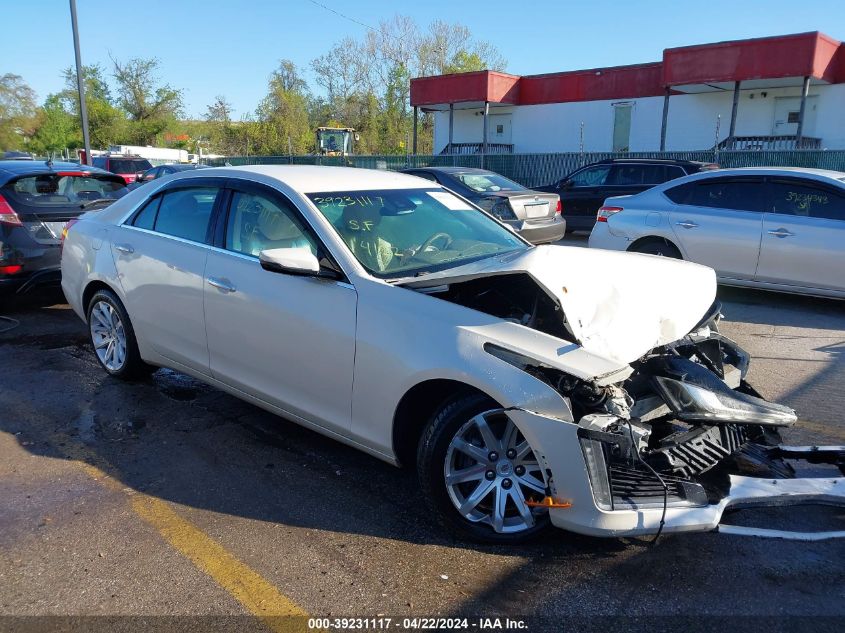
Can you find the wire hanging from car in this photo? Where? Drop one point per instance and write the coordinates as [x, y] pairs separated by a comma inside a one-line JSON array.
[[659, 478], [14, 323]]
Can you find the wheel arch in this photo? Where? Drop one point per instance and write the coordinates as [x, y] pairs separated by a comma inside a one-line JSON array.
[[91, 289], [648, 239], [416, 408]]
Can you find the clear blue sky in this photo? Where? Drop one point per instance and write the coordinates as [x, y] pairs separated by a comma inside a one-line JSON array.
[[230, 47]]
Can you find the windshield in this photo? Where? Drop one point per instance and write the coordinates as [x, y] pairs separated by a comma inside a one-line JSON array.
[[58, 189], [404, 232], [488, 182], [129, 165]]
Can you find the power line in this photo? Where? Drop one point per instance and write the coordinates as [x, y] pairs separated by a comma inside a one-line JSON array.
[[344, 16]]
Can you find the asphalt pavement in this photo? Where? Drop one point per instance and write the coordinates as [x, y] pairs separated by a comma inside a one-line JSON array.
[[167, 497]]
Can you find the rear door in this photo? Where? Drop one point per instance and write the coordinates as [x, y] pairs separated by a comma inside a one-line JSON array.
[[582, 194], [803, 240], [717, 222], [160, 254]]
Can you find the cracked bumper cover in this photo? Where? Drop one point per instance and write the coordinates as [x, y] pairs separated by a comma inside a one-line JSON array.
[[558, 448]]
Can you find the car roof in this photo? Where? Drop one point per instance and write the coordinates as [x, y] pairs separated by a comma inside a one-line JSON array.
[[23, 167], [452, 170], [649, 161], [313, 179], [769, 171]]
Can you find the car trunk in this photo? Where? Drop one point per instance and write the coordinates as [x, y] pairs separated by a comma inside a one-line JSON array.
[[44, 203], [532, 205]]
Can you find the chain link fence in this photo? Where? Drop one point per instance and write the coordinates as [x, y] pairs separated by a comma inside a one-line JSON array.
[[534, 170]]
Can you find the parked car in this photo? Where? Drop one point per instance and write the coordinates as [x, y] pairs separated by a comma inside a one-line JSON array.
[[583, 191], [14, 155], [127, 167], [535, 216], [37, 199], [776, 228], [161, 170], [527, 385]]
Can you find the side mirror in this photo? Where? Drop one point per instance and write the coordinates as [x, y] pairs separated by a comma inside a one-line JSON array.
[[291, 261], [139, 176]]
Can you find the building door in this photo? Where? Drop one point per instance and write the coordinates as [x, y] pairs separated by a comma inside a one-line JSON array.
[[622, 127], [499, 129], [787, 110]]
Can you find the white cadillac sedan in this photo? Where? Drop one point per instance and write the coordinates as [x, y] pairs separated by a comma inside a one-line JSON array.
[[528, 385]]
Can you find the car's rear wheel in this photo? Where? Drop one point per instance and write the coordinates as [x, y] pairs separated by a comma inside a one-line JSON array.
[[113, 337], [659, 247], [479, 474]]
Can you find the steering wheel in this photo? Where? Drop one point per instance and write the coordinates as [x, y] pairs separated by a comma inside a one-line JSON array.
[[428, 245]]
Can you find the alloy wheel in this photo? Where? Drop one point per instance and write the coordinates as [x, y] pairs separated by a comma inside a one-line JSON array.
[[491, 472], [108, 336]]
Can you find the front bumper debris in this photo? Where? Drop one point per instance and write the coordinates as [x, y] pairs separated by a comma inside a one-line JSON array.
[[695, 503]]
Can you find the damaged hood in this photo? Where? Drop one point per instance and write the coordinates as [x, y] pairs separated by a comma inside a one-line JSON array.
[[618, 305]]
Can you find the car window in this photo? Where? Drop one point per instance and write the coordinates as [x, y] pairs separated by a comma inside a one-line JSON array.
[[128, 165], [672, 172], [488, 182], [101, 162], [590, 177], [740, 194], [185, 212], [795, 197], [64, 189], [626, 175], [257, 223], [146, 217]]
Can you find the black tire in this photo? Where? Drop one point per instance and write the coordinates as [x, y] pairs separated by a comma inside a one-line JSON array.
[[431, 459], [133, 366], [659, 247]]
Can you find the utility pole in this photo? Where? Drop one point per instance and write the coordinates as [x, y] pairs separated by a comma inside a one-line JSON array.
[[80, 82]]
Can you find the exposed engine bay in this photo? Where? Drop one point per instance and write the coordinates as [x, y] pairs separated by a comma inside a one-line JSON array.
[[673, 433]]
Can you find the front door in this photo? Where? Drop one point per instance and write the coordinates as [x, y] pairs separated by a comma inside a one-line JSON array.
[[622, 127], [160, 256], [499, 129], [787, 112], [803, 240], [717, 222], [288, 340]]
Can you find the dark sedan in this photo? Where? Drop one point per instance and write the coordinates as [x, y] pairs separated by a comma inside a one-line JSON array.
[[161, 171], [535, 215], [37, 200]]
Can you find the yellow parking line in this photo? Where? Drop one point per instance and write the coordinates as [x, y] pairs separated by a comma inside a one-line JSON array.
[[257, 595]]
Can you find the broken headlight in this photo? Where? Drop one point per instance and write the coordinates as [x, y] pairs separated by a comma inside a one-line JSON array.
[[692, 402]]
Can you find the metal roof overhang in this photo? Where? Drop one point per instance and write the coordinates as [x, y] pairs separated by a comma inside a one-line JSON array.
[[768, 62]]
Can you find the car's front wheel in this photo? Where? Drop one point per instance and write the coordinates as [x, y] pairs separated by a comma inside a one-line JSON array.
[[113, 337], [479, 474]]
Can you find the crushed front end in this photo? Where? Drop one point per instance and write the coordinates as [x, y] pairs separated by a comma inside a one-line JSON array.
[[675, 444]]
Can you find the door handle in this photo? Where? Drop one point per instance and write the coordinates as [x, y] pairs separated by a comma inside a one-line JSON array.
[[781, 232], [124, 248], [687, 224], [220, 284]]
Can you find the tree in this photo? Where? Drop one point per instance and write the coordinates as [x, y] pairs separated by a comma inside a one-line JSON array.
[[151, 107], [55, 128], [106, 123], [17, 108], [220, 111], [282, 116]]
